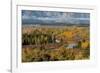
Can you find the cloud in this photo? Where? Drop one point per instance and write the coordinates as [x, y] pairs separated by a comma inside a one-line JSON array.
[[51, 16]]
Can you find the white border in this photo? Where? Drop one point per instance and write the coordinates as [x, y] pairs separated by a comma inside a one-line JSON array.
[[17, 66]]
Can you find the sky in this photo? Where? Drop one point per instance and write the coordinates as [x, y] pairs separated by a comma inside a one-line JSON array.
[[53, 17]]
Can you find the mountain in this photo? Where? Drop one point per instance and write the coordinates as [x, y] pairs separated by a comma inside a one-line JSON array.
[[54, 18]]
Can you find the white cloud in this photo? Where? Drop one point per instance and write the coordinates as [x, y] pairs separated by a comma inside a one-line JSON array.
[[55, 17]]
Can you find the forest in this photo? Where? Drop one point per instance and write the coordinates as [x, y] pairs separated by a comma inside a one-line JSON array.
[[55, 43]]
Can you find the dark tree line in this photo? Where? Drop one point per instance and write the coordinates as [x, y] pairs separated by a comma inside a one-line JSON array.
[[36, 38]]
